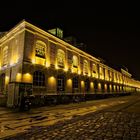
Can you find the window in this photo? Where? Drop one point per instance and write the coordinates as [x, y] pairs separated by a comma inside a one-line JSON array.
[[5, 55], [85, 67], [60, 58], [94, 68], [110, 75], [75, 61], [39, 78], [75, 82], [40, 49]]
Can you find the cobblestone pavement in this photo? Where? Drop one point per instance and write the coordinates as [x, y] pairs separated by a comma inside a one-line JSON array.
[[110, 119], [106, 125]]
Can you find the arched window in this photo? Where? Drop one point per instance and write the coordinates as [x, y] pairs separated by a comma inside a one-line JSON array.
[[40, 49], [85, 67], [38, 78], [75, 61], [5, 56], [94, 70], [60, 58]]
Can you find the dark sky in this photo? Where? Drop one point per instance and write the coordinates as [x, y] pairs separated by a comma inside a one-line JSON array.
[[110, 30]]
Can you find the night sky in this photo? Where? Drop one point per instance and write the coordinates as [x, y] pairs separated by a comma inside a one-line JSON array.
[[111, 31]]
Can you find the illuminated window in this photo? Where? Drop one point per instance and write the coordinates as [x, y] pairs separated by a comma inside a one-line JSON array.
[[60, 58], [94, 68], [75, 61], [110, 75], [85, 67], [5, 55], [40, 49], [39, 78]]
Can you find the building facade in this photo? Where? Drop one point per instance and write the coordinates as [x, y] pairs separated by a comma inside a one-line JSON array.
[[33, 61]]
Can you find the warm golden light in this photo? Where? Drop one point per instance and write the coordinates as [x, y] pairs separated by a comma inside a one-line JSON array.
[[89, 75], [79, 72], [27, 77], [82, 84], [110, 87], [51, 79], [74, 70], [6, 80], [99, 86], [47, 64], [105, 86], [91, 85], [0, 64], [52, 51], [33, 61], [40, 61], [66, 68], [117, 88], [120, 88], [56, 67], [69, 83], [52, 82], [114, 87], [18, 77], [14, 60]]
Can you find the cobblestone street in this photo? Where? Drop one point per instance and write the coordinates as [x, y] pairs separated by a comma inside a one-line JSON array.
[[120, 122], [94, 126]]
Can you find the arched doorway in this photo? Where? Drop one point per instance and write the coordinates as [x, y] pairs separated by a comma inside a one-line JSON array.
[[60, 83]]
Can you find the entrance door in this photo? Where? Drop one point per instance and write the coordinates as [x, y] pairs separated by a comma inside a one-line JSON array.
[[75, 83], [87, 85], [60, 83]]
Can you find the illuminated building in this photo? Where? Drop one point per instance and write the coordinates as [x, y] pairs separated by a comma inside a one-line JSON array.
[[33, 61]]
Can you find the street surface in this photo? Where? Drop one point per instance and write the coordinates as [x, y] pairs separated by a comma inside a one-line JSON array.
[[107, 119]]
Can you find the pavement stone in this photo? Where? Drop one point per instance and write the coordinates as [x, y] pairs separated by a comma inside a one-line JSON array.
[[93, 126]]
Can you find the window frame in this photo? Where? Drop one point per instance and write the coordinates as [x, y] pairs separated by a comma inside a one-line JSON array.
[[39, 79], [40, 47]]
